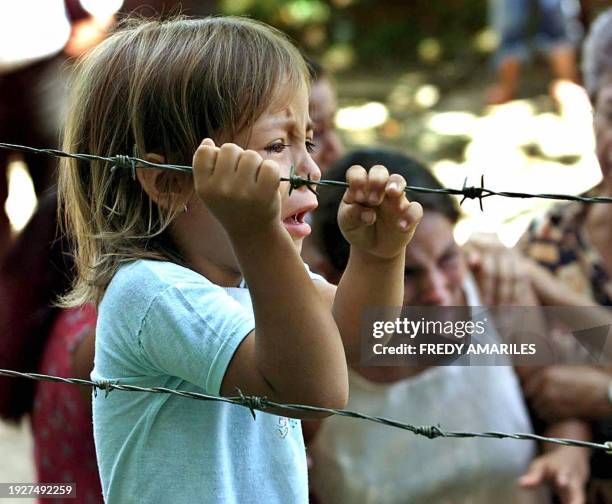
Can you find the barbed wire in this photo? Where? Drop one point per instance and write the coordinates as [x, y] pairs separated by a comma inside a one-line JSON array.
[[295, 181], [255, 403]]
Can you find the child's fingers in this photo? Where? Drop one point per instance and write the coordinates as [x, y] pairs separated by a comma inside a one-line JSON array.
[[354, 216], [205, 157], [248, 166], [268, 176], [357, 178], [228, 157], [396, 184], [410, 216], [377, 180]]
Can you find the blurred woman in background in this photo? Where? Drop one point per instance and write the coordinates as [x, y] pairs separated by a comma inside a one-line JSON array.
[[362, 462]]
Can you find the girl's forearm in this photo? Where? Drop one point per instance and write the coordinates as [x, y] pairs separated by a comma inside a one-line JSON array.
[[367, 282], [298, 347]]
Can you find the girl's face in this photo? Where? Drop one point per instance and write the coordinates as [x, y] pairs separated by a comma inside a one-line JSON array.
[[435, 268], [603, 130], [284, 134]]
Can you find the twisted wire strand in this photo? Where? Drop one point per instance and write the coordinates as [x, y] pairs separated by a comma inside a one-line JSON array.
[[255, 403], [295, 181]]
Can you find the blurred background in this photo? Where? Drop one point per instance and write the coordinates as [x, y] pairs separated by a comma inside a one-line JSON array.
[[414, 75]]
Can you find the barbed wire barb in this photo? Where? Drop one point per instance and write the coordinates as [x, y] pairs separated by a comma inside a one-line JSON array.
[[473, 192]]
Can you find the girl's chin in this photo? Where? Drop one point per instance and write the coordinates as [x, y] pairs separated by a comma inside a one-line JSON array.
[[297, 229], [298, 243]]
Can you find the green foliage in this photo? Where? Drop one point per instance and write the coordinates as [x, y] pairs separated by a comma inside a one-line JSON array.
[[393, 28]]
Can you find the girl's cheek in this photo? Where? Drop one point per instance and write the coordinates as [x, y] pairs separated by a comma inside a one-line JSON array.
[[284, 189]]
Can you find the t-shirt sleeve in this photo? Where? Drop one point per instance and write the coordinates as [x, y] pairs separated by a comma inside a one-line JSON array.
[[193, 333], [314, 276]]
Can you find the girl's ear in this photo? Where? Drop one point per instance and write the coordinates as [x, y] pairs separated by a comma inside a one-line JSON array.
[[163, 187]]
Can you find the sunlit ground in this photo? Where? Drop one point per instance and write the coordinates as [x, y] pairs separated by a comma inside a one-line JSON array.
[[517, 147]]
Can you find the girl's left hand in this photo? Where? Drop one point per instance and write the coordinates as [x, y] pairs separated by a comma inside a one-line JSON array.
[[375, 216]]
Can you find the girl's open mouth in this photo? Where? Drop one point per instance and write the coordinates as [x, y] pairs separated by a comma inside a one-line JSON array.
[[296, 225]]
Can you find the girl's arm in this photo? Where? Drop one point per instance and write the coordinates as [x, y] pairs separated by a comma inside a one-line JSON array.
[[367, 282], [295, 355], [357, 292], [378, 221]]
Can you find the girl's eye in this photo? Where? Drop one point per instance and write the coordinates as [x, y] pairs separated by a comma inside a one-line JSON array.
[[310, 146], [276, 148]]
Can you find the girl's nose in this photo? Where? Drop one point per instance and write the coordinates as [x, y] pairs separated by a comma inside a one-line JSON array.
[[306, 166]]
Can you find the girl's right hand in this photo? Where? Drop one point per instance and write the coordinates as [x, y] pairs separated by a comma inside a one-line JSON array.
[[238, 186]]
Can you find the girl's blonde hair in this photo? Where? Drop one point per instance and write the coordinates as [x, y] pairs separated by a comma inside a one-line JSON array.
[[158, 87]]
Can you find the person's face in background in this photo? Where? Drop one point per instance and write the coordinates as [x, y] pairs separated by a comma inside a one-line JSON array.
[[602, 120], [323, 106], [435, 267]]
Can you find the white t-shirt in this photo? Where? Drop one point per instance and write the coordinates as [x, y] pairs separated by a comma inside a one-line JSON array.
[[162, 325], [360, 462]]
